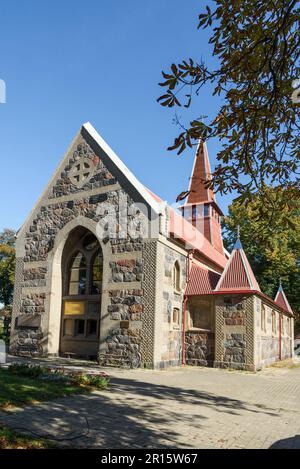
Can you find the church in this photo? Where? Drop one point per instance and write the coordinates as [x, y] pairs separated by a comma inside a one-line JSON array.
[[107, 270]]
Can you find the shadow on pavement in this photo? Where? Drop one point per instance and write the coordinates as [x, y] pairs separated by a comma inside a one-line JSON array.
[[287, 443], [131, 414]]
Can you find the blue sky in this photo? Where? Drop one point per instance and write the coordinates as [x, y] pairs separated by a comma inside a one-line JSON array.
[[67, 62]]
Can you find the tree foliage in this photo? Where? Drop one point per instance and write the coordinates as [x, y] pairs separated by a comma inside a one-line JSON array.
[[257, 45], [7, 266], [273, 249]]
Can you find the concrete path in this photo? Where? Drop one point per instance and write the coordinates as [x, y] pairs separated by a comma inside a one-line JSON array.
[[181, 408]]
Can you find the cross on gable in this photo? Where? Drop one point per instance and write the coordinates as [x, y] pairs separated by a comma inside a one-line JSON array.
[[81, 172]]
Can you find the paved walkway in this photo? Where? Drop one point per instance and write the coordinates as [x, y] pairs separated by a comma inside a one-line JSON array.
[[181, 408]]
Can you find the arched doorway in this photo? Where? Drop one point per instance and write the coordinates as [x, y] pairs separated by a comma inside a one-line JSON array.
[[82, 269]]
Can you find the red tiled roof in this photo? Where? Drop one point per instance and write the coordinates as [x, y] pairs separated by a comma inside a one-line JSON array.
[[201, 281], [183, 230], [238, 274], [194, 239], [281, 300]]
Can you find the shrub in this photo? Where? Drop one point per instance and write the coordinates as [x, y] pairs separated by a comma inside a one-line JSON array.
[[99, 381]]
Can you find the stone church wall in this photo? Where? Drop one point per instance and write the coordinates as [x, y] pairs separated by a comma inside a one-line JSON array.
[[128, 297], [234, 332], [169, 308], [199, 348]]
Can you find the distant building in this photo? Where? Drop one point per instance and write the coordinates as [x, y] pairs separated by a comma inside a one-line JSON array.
[[106, 269]]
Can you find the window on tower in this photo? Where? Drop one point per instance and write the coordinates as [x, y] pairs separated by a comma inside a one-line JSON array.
[[206, 210], [176, 277]]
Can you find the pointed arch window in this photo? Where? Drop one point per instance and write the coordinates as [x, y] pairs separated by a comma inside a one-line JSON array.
[[97, 270], [78, 275]]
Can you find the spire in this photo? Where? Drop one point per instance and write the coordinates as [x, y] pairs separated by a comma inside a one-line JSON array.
[[238, 244], [238, 274], [201, 173], [281, 299], [200, 207]]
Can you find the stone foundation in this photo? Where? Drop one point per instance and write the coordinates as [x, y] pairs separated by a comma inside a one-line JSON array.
[[123, 349], [199, 348]]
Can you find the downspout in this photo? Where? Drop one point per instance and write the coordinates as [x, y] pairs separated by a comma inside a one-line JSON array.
[[185, 298], [280, 339], [183, 328]]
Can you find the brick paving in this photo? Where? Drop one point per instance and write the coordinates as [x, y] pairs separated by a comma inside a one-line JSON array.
[[179, 408]]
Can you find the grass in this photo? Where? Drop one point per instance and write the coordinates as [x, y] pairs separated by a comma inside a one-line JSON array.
[[18, 390], [288, 363], [25, 384], [13, 440]]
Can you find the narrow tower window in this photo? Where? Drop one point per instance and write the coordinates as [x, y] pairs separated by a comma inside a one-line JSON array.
[[176, 276]]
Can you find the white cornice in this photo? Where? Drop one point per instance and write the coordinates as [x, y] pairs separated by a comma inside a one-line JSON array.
[[123, 168]]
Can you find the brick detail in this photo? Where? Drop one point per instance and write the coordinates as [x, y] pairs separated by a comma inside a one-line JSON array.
[[148, 316]]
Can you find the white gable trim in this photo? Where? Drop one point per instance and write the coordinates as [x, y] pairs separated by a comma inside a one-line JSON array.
[[285, 299], [123, 168]]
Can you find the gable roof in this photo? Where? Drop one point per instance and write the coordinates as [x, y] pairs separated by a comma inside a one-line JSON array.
[[238, 274], [122, 167], [183, 230], [281, 300]]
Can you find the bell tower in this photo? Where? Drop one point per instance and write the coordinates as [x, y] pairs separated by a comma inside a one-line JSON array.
[[201, 208]]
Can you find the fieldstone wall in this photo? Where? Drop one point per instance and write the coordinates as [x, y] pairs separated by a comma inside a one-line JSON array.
[[130, 342], [101, 176], [199, 348], [123, 348], [127, 270], [235, 317], [235, 349], [29, 342], [40, 237], [126, 305]]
